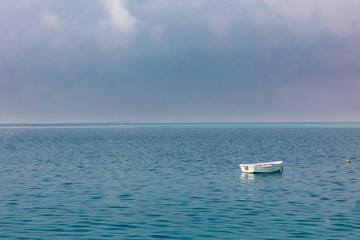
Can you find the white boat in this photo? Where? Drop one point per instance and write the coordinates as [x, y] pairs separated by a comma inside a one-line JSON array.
[[262, 167]]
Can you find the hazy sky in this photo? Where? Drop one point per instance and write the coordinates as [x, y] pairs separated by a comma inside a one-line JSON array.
[[179, 60]]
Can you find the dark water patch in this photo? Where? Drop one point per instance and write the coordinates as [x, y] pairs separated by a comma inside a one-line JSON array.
[[117, 207], [160, 236], [96, 197]]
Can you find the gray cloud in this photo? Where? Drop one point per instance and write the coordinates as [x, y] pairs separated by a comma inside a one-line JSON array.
[[269, 60]]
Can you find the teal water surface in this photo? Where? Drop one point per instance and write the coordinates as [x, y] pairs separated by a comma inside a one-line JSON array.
[[179, 181]]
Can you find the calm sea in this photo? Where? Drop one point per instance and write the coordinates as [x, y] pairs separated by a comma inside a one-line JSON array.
[[179, 181]]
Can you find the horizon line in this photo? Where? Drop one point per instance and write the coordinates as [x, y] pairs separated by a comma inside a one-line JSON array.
[[214, 122]]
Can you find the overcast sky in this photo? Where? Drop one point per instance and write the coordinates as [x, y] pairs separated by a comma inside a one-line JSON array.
[[179, 61]]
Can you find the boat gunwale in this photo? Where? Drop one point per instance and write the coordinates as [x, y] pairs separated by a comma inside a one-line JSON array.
[[265, 164]]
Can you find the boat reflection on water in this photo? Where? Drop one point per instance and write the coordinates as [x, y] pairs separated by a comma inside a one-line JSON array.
[[247, 177]]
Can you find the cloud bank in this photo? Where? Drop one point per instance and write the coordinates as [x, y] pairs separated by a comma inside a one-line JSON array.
[[116, 60]]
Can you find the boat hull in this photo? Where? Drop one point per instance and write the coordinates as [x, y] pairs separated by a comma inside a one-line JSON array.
[[268, 167]]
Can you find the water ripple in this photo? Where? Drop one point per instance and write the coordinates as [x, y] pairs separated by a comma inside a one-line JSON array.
[[178, 184]]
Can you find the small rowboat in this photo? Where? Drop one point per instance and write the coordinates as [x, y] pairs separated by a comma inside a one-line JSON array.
[[262, 167]]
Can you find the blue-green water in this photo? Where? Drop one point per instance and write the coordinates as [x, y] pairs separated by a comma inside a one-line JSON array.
[[179, 181]]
